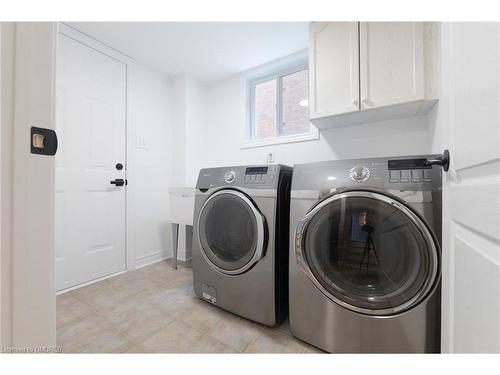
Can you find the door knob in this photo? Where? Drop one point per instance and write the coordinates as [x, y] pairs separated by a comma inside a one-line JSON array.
[[118, 182], [442, 160]]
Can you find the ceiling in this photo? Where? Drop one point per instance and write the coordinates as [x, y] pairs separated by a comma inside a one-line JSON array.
[[208, 51]]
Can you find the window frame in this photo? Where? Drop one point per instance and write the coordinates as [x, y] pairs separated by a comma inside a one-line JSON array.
[[277, 73]]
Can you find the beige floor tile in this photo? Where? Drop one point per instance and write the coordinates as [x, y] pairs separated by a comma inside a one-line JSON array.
[[107, 297], [127, 277], [137, 287], [176, 282], [171, 277], [154, 309], [207, 344], [177, 337], [176, 302], [140, 325], [235, 332], [158, 266], [135, 349], [71, 313], [79, 332], [106, 341], [66, 299], [91, 289], [204, 316], [272, 340], [123, 310]]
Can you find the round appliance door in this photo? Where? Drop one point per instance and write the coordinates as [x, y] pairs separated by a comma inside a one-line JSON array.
[[368, 252], [231, 232]]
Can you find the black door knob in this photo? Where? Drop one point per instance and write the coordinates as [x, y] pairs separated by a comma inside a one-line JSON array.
[[118, 182], [442, 160]]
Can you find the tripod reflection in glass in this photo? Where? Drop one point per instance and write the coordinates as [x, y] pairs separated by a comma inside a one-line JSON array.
[[369, 246]]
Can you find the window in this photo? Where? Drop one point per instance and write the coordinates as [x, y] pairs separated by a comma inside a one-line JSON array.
[[278, 106]]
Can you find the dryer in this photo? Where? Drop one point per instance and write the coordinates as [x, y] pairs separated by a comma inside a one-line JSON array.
[[240, 240], [365, 255]]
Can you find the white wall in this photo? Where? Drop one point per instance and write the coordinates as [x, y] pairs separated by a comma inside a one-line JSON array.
[[179, 130], [219, 137], [150, 169], [189, 125], [196, 127], [189, 112]]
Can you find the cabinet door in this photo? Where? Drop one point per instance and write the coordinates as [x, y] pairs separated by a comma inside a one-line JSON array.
[[333, 68], [392, 63]]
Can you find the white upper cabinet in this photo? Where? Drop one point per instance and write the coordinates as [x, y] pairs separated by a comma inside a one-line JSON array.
[[334, 68], [370, 71], [392, 63]]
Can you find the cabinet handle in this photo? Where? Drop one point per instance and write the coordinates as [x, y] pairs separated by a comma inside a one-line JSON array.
[[355, 102]]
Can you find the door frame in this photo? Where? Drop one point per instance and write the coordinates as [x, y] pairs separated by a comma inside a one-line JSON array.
[[90, 42], [27, 298], [28, 71]]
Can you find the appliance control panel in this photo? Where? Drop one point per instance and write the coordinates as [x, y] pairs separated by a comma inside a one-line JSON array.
[[409, 170], [256, 175]]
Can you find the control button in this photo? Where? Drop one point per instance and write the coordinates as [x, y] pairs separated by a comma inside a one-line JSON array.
[[405, 175], [427, 175], [394, 176], [416, 174]]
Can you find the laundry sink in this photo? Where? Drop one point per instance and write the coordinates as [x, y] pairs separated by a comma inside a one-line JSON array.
[[181, 205]]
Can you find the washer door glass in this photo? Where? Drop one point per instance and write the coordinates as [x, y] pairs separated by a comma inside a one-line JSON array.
[[368, 253], [228, 230]]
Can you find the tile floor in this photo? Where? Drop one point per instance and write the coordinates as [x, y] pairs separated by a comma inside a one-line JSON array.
[[154, 310]]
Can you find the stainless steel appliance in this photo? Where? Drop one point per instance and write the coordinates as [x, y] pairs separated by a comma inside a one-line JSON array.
[[365, 255], [240, 246]]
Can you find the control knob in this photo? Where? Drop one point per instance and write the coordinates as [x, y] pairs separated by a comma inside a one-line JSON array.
[[359, 173], [229, 176]]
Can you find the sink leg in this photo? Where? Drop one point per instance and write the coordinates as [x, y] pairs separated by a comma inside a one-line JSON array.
[[175, 242]]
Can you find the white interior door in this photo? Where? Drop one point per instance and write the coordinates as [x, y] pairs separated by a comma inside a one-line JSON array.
[[90, 211], [471, 260]]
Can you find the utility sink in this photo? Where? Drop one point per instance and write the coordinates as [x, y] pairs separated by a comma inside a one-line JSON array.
[[181, 205]]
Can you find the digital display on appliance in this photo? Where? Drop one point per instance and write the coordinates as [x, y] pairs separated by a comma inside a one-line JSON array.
[[408, 164], [256, 170]]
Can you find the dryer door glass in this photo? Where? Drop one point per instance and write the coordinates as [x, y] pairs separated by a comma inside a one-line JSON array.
[[368, 253], [229, 233]]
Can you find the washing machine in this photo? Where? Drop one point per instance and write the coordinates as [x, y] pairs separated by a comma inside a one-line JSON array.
[[240, 240], [365, 255]]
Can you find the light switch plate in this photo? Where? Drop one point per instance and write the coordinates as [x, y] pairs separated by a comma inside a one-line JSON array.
[[142, 142]]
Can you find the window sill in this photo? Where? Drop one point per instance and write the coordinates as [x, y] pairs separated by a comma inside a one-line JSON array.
[[311, 136]]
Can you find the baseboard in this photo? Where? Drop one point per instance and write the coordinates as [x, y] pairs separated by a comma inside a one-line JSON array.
[[71, 288], [149, 259]]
